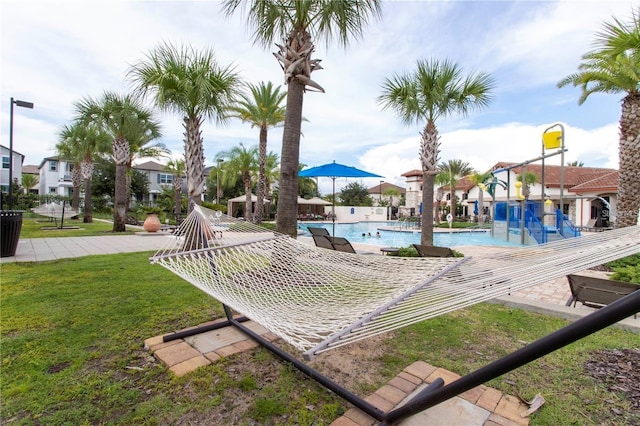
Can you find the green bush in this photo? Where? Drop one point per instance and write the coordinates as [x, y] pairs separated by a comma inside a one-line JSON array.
[[626, 269]]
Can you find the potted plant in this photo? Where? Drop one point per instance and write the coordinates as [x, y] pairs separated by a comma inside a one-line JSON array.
[[152, 222]]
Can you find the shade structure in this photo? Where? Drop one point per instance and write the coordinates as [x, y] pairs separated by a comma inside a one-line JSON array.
[[335, 170]]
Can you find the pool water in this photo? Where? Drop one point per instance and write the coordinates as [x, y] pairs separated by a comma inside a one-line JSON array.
[[354, 233]]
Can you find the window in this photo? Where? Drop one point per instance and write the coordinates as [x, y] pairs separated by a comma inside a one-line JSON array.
[[53, 190], [53, 166], [465, 196], [165, 178], [5, 162]]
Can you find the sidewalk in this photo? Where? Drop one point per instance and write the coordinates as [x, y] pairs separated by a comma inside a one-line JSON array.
[[41, 249]]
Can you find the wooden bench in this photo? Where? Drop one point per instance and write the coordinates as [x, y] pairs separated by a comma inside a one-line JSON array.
[[597, 292]]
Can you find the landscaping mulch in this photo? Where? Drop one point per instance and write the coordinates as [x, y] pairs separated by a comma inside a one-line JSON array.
[[619, 370]]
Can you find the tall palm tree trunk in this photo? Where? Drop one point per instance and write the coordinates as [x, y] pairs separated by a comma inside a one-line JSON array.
[[121, 154], [177, 197], [246, 178], [629, 162], [194, 158], [481, 207], [286, 222], [429, 151], [262, 179], [87, 172], [76, 179]]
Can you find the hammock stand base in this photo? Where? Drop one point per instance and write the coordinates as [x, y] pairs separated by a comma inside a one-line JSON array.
[[437, 392]]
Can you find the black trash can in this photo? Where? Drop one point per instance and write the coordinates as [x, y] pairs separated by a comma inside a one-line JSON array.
[[10, 227]]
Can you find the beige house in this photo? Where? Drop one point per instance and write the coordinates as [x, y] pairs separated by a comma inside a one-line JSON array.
[[589, 194]]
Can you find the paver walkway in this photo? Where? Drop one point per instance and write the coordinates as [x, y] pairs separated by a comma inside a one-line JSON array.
[[479, 406]]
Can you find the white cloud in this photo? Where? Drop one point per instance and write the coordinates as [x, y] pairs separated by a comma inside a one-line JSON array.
[[74, 49]]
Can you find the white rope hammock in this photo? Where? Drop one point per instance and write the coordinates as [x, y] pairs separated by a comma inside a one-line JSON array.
[[318, 299], [55, 211]]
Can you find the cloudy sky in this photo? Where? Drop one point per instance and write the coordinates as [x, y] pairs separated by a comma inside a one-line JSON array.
[[54, 53]]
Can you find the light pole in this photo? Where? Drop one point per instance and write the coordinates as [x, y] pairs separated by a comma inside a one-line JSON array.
[[220, 160], [381, 182], [22, 104]]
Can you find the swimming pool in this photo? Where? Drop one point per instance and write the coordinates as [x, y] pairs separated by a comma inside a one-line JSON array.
[[353, 232]]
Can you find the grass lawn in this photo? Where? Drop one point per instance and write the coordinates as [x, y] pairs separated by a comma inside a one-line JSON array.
[[72, 335], [34, 226]]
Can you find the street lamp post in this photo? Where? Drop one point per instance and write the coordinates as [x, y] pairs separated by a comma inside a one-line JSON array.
[[220, 160], [380, 190], [22, 104]]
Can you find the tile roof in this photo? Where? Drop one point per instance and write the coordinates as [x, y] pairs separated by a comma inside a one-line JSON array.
[[572, 175], [576, 179], [604, 183], [150, 165], [414, 172], [375, 190], [30, 169]]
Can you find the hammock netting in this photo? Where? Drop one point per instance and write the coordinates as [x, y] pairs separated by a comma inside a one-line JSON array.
[[55, 211], [318, 299]]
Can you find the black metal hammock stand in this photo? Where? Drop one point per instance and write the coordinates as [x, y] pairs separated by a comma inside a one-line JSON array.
[[318, 300]]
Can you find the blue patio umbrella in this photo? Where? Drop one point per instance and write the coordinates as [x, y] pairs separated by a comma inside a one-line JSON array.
[[333, 171], [475, 207]]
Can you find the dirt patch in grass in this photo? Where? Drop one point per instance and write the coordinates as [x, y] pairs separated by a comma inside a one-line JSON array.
[[619, 371]]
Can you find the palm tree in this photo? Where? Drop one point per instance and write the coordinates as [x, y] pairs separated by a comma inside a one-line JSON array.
[[307, 186], [240, 161], [177, 169], [530, 178], [88, 140], [67, 150], [391, 192], [194, 85], [28, 181], [477, 179], [452, 171], [125, 119], [575, 164], [436, 89], [298, 23], [613, 66], [263, 109]]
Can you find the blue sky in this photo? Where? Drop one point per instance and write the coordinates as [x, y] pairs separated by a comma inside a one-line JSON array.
[[56, 52]]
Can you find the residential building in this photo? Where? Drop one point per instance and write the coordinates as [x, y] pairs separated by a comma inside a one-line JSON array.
[[4, 170], [586, 193], [377, 193], [158, 180], [55, 177]]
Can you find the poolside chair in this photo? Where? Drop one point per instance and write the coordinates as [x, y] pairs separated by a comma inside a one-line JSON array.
[[343, 245], [597, 292], [333, 243], [590, 226], [433, 251], [323, 241], [318, 231]]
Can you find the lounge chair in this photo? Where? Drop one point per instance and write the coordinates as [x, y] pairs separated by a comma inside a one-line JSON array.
[[323, 241], [597, 292], [433, 251], [342, 244], [318, 231], [590, 226], [336, 243]]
